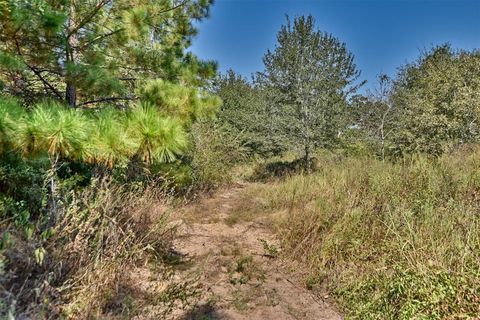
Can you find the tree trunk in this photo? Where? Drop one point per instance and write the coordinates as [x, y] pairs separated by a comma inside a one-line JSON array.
[[71, 94], [71, 89], [307, 157]]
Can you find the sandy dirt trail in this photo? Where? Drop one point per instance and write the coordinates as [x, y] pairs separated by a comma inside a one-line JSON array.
[[238, 267]]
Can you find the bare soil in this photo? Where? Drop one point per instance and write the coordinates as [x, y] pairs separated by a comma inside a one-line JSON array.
[[240, 267]]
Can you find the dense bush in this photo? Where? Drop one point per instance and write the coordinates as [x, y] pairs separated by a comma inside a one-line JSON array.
[[214, 154], [21, 186]]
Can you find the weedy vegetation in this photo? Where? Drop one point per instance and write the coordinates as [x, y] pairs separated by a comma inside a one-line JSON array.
[[108, 123], [390, 240]]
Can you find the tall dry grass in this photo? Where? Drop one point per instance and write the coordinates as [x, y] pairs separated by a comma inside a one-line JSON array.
[[86, 266], [390, 240]]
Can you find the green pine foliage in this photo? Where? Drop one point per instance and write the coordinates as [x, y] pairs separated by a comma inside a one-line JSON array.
[[159, 138], [53, 129], [10, 112], [110, 143], [186, 103], [106, 137], [90, 52]]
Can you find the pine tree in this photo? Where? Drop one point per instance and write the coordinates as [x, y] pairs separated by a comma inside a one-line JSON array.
[[104, 53], [96, 51]]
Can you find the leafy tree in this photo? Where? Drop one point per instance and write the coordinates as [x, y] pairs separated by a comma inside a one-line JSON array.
[[439, 99], [96, 51], [246, 115], [313, 73]]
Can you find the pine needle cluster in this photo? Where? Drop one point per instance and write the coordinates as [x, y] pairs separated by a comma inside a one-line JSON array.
[[106, 137]]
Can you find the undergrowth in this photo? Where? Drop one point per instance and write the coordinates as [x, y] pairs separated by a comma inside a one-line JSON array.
[[87, 266], [390, 240]]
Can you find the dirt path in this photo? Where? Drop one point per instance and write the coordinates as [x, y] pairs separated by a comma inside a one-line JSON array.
[[238, 267]]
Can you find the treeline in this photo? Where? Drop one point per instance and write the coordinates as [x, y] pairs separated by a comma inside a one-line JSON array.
[[307, 98]]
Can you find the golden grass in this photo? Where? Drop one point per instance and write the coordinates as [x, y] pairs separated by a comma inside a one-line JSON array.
[[392, 240]]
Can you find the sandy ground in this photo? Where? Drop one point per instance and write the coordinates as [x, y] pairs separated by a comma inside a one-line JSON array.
[[239, 268]]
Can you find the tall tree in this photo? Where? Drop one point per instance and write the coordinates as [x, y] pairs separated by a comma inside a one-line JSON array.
[[93, 51], [439, 99], [314, 74]]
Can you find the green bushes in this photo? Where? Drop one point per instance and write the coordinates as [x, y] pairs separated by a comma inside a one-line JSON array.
[[407, 294], [214, 154], [392, 241]]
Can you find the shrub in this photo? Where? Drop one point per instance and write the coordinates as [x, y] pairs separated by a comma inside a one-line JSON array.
[[214, 153]]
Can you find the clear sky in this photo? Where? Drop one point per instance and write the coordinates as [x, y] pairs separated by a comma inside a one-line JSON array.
[[382, 34]]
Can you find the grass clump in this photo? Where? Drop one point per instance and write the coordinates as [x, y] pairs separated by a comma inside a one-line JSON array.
[[396, 240], [90, 264]]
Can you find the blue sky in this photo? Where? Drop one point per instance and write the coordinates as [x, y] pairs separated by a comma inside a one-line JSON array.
[[381, 34]]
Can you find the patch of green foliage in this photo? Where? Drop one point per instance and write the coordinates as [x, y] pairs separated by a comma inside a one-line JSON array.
[[400, 293]]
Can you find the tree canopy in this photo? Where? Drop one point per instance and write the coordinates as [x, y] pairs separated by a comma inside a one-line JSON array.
[[313, 74], [438, 97], [94, 51]]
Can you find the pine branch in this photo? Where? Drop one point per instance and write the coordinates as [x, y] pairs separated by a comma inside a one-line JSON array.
[[107, 99], [44, 81], [100, 37], [38, 73], [181, 4], [88, 18]]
